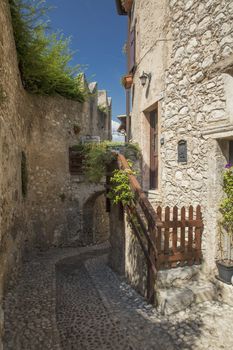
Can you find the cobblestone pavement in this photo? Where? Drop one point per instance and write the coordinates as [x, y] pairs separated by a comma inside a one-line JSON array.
[[69, 299], [83, 320]]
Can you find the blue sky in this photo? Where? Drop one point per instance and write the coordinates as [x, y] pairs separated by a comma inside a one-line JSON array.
[[98, 34]]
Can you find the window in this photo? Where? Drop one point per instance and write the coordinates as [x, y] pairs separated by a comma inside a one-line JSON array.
[[132, 50], [76, 161]]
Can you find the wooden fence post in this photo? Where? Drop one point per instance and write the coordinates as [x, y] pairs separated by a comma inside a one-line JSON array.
[[150, 274], [198, 233]]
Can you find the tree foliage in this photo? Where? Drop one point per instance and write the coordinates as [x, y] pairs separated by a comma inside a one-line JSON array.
[[44, 59]]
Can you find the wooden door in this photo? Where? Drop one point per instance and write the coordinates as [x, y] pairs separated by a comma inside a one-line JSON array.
[[153, 119]]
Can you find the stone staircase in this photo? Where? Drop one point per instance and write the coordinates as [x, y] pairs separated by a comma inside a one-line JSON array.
[[180, 288]]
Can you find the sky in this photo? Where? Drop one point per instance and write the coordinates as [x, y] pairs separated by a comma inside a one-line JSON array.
[[98, 35]]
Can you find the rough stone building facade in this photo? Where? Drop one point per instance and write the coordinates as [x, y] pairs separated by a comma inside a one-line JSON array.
[[183, 102], [35, 136]]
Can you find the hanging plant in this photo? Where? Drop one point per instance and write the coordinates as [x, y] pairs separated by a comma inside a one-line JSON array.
[[127, 81], [127, 4]]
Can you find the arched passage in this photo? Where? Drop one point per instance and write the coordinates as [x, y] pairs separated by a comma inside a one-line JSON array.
[[95, 219]]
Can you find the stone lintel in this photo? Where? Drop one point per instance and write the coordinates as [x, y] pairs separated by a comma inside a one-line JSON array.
[[220, 132]]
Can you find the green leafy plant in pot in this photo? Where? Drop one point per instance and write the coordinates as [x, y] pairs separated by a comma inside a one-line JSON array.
[[225, 264]]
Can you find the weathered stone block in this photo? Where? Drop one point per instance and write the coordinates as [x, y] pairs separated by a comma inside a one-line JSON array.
[[203, 291], [174, 300], [177, 277]]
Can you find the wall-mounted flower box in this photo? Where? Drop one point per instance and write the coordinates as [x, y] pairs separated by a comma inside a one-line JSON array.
[[127, 4], [127, 81]]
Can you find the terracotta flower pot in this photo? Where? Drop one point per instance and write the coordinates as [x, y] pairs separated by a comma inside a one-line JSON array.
[[127, 81], [127, 5]]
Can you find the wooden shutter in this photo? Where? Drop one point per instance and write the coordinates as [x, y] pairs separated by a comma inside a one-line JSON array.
[[132, 50], [76, 161]]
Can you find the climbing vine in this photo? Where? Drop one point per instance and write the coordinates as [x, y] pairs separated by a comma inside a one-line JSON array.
[[121, 191]]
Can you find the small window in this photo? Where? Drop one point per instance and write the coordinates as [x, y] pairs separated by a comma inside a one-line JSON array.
[[182, 151], [76, 161], [132, 50]]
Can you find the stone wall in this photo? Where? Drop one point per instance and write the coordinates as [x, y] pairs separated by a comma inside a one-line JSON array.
[[195, 107], [187, 46], [153, 46], [51, 212]]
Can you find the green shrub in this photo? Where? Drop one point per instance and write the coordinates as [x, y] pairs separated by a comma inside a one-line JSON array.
[[43, 58], [97, 159], [226, 208], [99, 155], [102, 109]]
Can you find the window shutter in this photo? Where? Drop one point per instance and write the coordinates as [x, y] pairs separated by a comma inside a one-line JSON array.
[[132, 50], [76, 161]]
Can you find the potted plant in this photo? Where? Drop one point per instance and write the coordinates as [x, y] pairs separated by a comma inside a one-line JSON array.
[[225, 264], [127, 81], [127, 4]]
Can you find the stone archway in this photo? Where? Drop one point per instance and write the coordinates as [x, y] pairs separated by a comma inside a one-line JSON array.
[[95, 219]]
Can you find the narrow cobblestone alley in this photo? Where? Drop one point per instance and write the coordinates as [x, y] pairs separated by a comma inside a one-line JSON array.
[[70, 299]]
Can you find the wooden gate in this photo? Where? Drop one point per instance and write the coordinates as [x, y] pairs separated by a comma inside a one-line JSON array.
[[179, 236]]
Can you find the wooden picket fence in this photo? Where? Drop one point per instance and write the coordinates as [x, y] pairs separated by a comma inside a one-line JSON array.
[[179, 235]]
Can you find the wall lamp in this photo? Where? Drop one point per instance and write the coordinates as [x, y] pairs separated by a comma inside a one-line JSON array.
[[144, 78]]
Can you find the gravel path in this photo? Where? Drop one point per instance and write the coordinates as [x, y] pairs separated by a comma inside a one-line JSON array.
[[69, 299]]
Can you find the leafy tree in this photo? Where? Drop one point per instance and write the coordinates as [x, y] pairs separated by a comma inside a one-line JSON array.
[[44, 59]]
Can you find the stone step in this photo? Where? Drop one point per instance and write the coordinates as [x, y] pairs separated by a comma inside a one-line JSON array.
[[177, 277], [173, 300]]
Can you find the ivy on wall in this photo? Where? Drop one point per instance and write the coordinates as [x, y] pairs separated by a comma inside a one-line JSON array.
[[121, 191]]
